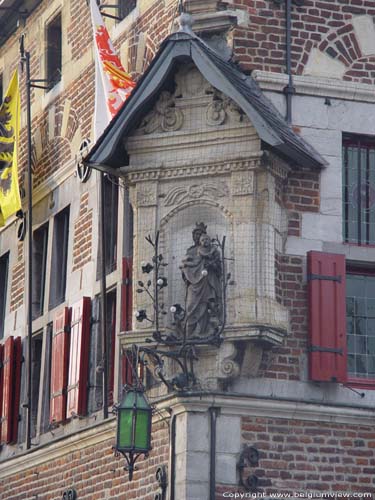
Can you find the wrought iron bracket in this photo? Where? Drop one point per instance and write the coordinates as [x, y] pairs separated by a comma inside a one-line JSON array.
[[249, 458], [162, 479], [130, 458]]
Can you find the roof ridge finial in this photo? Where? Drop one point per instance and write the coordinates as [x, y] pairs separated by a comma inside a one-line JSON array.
[[185, 22]]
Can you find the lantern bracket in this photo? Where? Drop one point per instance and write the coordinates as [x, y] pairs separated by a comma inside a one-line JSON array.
[[131, 457]]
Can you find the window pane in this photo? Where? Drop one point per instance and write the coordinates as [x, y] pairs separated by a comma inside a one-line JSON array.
[[125, 7], [59, 258], [360, 315], [40, 242], [110, 200], [359, 189], [54, 53], [371, 181]]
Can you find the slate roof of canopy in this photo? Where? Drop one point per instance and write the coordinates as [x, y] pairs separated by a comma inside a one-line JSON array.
[[224, 76]]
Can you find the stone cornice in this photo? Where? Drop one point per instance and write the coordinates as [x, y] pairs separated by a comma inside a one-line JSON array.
[[243, 405], [151, 173], [316, 86]]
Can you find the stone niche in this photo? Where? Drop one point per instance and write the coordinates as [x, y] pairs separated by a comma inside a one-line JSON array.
[[195, 157]]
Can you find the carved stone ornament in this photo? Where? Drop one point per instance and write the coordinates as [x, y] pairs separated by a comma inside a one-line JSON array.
[[146, 195], [228, 367], [215, 113], [191, 83], [221, 108], [242, 183], [196, 191], [165, 117]]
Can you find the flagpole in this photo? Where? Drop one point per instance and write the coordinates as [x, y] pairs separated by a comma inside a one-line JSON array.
[[26, 59]]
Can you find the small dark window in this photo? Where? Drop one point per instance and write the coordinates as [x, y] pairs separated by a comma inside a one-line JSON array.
[[46, 392], [111, 335], [54, 52], [36, 360], [59, 258], [40, 243], [110, 199], [125, 7], [359, 189], [95, 396], [4, 267]]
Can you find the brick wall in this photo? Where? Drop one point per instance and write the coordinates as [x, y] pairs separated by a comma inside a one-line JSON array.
[[298, 193], [284, 362], [94, 472], [82, 241], [321, 24], [18, 280], [296, 455]]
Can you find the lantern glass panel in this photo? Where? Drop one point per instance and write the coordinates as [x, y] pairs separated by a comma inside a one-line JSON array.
[[125, 429], [142, 430]]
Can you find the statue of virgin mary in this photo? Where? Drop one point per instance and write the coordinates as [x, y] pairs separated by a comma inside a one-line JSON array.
[[201, 270]]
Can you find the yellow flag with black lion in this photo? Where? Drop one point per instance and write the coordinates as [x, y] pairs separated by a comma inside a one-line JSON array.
[[10, 201]]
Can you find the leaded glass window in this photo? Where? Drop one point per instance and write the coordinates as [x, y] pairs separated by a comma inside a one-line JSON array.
[[360, 321], [359, 190]]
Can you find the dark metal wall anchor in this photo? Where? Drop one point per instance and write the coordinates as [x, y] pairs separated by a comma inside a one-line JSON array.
[[162, 479], [249, 458], [70, 494]]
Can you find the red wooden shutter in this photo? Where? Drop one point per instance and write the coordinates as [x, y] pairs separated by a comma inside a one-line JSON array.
[[126, 294], [1, 382], [327, 322], [12, 354], [59, 365], [79, 358]]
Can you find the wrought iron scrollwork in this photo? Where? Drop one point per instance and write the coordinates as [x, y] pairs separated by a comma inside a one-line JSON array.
[[162, 479], [179, 341], [249, 458]]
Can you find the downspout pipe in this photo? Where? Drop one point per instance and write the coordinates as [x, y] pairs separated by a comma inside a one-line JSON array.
[[172, 495], [289, 90], [103, 289], [214, 412]]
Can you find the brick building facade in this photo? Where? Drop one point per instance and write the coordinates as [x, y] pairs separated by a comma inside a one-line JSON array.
[[290, 379]]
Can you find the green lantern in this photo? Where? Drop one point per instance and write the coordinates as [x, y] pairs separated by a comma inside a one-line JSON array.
[[134, 418]]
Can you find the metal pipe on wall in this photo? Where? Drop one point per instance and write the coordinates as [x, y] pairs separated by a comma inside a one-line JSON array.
[[289, 90], [103, 297], [213, 417], [173, 458]]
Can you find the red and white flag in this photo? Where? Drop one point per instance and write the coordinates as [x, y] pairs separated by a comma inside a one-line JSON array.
[[112, 84]]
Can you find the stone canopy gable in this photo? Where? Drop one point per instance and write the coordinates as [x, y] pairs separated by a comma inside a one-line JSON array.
[[185, 48]]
